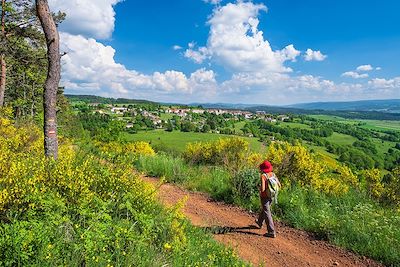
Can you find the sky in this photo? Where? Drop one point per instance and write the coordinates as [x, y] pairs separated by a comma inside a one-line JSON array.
[[274, 52]]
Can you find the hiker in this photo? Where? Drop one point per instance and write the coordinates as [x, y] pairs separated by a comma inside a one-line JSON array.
[[267, 197]]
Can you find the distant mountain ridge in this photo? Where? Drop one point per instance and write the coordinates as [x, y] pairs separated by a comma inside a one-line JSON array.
[[389, 105]]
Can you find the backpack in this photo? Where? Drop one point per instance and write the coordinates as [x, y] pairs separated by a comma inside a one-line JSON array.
[[272, 187]]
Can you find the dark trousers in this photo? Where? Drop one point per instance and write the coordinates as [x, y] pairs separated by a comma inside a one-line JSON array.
[[266, 215]]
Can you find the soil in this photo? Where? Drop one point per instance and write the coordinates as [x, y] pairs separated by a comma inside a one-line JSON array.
[[235, 227]]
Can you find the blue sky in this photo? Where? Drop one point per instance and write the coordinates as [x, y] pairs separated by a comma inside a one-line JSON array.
[[264, 52]]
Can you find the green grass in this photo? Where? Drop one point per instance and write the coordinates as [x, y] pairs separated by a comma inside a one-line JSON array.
[[239, 125], [176, 141], [296, 125], [166, 116], [381, 125], [382, 146], [329, 118], [378, 125], [341, 139]]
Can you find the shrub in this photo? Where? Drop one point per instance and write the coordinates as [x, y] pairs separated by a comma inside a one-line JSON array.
[[230, 152], [245, 184]]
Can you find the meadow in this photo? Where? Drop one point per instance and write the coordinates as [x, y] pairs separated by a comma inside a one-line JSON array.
[[377, 125], [341, 139], [176, 141]]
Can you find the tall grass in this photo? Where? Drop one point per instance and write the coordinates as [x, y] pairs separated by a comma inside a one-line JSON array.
[[352, 221], [211, 179]]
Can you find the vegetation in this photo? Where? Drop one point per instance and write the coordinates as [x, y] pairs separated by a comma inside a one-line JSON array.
[[356, 210], [88, 208]]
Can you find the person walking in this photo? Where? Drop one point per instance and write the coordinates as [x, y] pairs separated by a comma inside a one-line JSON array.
[[267, 180]]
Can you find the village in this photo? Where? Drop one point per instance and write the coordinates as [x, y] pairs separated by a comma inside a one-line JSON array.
[[187, 119]]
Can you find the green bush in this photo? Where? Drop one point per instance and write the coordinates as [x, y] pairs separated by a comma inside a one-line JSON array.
[[245, 184]]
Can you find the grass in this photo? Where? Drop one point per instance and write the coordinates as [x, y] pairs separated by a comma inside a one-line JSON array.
[[176, 141], [382, 146], [352, 221], [378, 125], [213, 180], [239, 125], [341, 139], [166, 116], [330, 118], [381, 125], [296, 125]]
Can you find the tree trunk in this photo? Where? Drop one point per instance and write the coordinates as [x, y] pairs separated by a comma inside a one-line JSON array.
[[53, 78], [2, 57]]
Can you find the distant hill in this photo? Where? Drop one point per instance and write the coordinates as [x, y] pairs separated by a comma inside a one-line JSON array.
[[369, 109], [223, 105], [106, 100], [389, 106]]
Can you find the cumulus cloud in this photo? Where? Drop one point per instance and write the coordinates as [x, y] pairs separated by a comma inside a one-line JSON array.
[[364, 68], [360, 72], [380, 83], [196, 55], [314, 55], [354, 75], [236, 43], [90, 67], [90, 18]]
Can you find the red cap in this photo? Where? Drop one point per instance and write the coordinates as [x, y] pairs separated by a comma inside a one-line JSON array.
[[266, 166]]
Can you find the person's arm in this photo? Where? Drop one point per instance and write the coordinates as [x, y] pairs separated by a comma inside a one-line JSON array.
[[262, 183]]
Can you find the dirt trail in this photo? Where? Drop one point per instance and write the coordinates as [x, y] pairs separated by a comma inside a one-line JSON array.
[[291, 247]]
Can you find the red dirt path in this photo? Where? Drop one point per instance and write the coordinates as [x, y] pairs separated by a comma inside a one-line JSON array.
[[291, 247]]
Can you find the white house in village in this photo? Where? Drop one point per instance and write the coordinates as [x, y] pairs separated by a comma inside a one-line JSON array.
[[118, 110]]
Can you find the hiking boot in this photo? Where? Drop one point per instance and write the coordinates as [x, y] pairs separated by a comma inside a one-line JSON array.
[[258, 224], [271, 235]]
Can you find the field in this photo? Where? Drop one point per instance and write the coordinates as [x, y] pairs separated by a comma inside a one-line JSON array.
[[378, 125], [296, 125], [341, 139], [176, 141], [381, 125], [239, 126]]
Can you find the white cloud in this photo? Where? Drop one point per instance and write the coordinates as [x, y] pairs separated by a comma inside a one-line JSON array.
[[364, 68], [314, 55], [177, 47], [378, 68], [236, 43], [355, 75], [380, 83], [89, 67], [90, 18], [214, 2], [199, 55]]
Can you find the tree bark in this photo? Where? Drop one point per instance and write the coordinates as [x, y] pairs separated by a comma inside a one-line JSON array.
[[2, 57], [53, 78]]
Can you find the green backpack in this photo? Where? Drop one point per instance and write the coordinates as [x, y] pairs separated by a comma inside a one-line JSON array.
[[272, 187]]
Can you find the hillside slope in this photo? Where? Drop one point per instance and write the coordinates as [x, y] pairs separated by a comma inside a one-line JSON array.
[[291, 248]]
